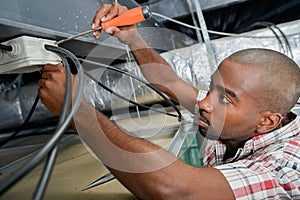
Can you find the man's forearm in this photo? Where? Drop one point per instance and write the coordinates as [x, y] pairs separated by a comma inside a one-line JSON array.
[[159, 73], [154, 67], [124, 155], [147, 170]]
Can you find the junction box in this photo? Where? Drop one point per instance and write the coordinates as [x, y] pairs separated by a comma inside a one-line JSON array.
[[28, 55]]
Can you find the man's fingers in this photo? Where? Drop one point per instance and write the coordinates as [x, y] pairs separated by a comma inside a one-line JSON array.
[[52, 68], [45, 75], [44, 84], [51, 73], [112, 30], [100, 14], [112, 12], [41, 83], [106, 12]]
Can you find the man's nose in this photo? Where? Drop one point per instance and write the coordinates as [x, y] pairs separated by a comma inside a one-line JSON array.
[[205, 104]]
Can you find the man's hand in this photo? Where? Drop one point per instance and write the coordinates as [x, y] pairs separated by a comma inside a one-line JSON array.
[[52, 87], [127, 35]]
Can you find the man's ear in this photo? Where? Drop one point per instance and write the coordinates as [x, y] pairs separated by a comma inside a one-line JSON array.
[[268, 121]]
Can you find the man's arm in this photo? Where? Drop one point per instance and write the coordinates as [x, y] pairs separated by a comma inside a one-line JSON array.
[[147, 170], [156, 70], [160, 74]]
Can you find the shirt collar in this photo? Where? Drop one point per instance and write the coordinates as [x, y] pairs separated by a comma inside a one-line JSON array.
[[256, 143], [286, 132]]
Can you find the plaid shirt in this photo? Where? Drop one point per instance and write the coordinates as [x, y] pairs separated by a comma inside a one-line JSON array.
[[267, 167]]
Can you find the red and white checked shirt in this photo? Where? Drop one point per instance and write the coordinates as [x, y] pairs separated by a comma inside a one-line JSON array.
[[267, 167]]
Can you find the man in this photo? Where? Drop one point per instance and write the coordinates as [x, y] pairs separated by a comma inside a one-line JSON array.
[[252, 154]]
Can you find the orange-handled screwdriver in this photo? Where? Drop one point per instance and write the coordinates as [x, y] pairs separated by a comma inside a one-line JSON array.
[[130, 17]]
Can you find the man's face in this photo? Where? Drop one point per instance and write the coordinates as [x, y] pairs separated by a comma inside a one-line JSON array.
[[230, 110]]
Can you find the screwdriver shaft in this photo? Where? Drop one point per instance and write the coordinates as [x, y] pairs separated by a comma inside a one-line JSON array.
[[76, 36], [130, 17]]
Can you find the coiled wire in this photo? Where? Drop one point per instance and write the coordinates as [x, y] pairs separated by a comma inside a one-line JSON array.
[[32, 163]]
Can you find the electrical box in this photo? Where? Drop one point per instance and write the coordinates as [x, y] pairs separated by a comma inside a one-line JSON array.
[[28, 55]]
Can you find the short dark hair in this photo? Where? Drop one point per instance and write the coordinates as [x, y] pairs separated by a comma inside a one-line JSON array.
[[282, 77]]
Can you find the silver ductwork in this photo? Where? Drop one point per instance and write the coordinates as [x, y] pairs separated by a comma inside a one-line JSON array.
[[190, 63]]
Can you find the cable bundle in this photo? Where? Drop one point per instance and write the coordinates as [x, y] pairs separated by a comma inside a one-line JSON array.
[[64, 122], [51, 148]]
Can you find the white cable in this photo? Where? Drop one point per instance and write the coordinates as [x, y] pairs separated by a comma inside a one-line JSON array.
[[191, 26], [210, 31]]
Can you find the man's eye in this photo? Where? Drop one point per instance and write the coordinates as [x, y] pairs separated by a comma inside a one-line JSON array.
[[224, 99]]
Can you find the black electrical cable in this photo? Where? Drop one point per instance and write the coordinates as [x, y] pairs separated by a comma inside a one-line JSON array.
[[13, 135], [60, 129], [53, 154], [68, 54], [284, 37], [278, 38], [270, 25], [6, 47], [264, 24], [42, 134], [40, 191], [124, 98], [131, 75], [8, 168], [30, 131], [56, 136], [179, 116]]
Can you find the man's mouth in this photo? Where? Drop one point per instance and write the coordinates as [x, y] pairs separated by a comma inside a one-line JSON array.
[[202, 122]]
